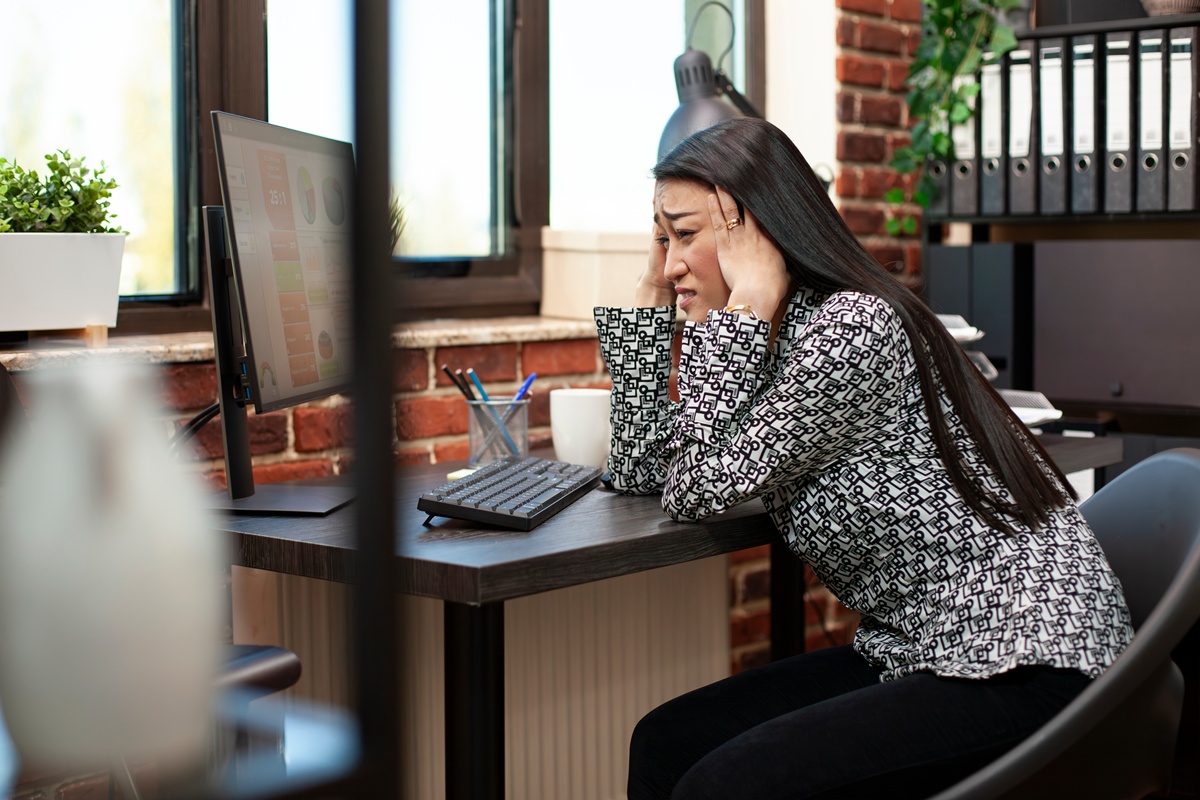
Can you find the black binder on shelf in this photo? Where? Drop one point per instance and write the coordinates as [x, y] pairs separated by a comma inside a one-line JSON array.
[[1022, 157], [1183, 119], [1151, 190], [939, 203], [1052, 182], [1118, 122], [1085, 116], [964, 172], [993, 169]]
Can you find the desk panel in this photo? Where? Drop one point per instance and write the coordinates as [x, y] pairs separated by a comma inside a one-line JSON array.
[[603, 535]]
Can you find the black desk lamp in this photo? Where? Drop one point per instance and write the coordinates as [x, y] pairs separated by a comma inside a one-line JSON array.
[[700, 89]]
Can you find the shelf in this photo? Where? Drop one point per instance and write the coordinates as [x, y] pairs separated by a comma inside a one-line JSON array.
[[1086, 28]]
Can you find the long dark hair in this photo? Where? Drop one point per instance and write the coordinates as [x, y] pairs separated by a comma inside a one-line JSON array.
[[756, 163]]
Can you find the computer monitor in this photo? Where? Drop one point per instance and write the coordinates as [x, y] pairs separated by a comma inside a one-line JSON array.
[[279, 254]]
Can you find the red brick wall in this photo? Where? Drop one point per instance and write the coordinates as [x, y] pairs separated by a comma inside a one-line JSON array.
[[430, 416], [876, 40]]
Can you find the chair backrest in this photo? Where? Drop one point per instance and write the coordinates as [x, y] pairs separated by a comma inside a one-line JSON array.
[[1148, 521], [1117, 738]]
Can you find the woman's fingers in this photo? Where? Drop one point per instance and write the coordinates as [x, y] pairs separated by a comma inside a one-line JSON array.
[[722, 210]]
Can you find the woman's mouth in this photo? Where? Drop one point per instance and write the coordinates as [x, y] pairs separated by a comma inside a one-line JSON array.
[[686, 296]]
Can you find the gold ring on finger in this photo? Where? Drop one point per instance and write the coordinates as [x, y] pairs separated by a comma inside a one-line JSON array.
[[733, 223]]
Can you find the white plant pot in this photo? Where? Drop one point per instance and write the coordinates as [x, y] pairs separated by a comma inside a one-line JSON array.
[[53, 281]]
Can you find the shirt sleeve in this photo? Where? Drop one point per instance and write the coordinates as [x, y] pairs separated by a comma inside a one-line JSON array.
[[636, 345], [740, 432]]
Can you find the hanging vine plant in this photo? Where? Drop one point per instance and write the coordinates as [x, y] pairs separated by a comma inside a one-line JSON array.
[[955, 34]]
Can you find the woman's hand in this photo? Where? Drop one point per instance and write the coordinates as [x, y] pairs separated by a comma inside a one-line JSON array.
[[751, 264], [653, 288]]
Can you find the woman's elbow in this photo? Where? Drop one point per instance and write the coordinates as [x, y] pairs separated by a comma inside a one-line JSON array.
[[680, 510]]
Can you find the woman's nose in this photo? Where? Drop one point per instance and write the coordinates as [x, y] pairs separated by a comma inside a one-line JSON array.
[[674, 267]]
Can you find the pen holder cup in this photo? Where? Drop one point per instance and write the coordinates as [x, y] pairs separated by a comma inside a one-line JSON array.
[[497, 428]]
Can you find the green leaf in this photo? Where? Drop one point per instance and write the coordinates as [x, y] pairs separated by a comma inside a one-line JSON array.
[[1003, 40], [968, 90], [942, 144], [909, 225], [959, 113], [892, 227], [894, 195], [904, 165], [1007, 5], [928, 49], [970, 62], [923, 78], [921, 198]]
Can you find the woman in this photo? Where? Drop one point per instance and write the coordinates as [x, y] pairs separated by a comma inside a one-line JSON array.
[[809, 377]]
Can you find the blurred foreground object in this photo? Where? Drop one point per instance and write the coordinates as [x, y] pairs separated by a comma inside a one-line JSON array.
[[109, 568]]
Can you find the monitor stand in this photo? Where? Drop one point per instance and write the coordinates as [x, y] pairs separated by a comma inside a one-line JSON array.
[[282, 499], [229, 349]]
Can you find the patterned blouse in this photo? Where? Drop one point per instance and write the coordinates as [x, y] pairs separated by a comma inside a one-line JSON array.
[[829, 428]]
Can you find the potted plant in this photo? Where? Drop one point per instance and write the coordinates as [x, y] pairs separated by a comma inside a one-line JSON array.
[[60, 253], [955, 34]]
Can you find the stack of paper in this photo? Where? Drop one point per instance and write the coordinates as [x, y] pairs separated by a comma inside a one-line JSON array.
[[960, 329], [1032, 408]]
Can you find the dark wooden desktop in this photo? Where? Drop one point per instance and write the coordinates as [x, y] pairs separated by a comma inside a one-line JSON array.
[[474, 570]]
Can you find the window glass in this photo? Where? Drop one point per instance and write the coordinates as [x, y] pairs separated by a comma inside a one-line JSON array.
[[310, 66], [76, 75], [612, 90], [445, 126], [446, 134]]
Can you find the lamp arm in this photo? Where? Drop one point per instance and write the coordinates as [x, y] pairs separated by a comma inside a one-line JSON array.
[[726, 87]]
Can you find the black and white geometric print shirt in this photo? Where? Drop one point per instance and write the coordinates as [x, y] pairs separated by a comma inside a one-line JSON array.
[[829, 428]]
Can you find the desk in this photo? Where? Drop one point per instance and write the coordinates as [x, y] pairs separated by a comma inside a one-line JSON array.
[[474, 570]]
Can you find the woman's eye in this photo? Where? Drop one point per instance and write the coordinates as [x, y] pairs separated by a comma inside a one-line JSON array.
[[684, 234], [662, 242]]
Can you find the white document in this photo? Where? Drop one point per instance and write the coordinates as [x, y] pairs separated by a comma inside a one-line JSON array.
[[1083, 87], [1020, 108], [1150, 91], [1180, 112], [1116, 97], [1053, 142], [964, 134], [990, 102]]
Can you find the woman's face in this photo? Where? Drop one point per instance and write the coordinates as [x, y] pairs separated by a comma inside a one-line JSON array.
[[683, 227]]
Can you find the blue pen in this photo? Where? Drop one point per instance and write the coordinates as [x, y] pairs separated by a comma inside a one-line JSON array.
[[484, 396], [524, 386]]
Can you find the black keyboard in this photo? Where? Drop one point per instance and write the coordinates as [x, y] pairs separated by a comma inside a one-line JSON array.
[[513, 492]]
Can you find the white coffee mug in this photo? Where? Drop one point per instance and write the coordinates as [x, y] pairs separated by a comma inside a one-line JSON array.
[[580, 426]]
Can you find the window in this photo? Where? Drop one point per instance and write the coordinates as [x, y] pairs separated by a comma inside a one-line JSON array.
[[446, 129], [105, 85], [612, 89], [455, 139], [169, 62]]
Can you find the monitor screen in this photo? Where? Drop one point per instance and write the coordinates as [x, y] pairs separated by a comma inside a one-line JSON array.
[[287, 197]]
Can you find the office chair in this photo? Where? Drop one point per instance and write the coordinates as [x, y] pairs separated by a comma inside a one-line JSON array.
[[1118, 738]]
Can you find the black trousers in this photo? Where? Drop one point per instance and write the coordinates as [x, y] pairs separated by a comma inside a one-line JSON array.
[[822, 725]]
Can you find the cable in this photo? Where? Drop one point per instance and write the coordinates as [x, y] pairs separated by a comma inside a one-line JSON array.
[[732, 30], [193, 426]]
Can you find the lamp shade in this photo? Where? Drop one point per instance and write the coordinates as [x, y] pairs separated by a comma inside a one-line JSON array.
[[700, 106]]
